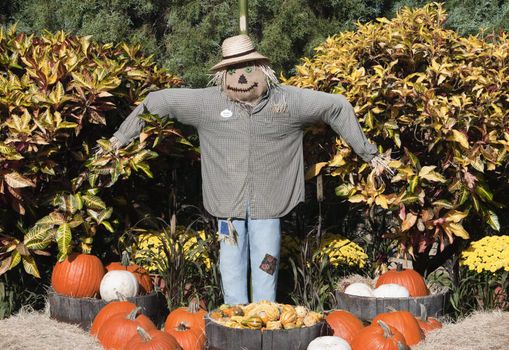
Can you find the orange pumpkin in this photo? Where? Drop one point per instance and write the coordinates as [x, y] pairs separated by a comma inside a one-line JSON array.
[[79, 275], [152, 340], [119, 329], [344, 324], [405, 323], [110, 309], [144, 280], [188, 338], [427, 324], [191, 317], [379, 336], [408, 278]]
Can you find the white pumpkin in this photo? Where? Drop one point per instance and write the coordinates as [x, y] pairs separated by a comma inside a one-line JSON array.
[[359, 289], [329, 343], [118, 281], [391, 290]]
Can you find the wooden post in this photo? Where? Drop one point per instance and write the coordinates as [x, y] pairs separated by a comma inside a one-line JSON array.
[[243, 16]]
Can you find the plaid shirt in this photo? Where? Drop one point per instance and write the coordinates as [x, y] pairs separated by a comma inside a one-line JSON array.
[[252, 154]]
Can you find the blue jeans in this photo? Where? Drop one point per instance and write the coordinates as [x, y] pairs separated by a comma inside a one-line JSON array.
[[258, 243]]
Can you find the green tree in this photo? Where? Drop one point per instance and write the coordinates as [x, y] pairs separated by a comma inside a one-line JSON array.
[[107, 21], [185, 36], [468, 16]]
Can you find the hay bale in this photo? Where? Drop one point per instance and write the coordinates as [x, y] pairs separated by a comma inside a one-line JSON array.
[[481, 330], [31, 330]]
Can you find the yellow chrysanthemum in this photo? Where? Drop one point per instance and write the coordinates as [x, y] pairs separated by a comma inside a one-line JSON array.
[[341, 250], [487, 254], [149, 248]]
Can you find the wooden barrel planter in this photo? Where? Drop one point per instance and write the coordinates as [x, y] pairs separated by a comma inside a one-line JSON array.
[[366, 308], [220, 337], [82, 311]]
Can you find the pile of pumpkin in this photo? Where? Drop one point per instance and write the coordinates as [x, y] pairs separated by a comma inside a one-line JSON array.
[[120, 326], [85, 276], [394, 330], [265, 315], [396, 283], [390, 330]]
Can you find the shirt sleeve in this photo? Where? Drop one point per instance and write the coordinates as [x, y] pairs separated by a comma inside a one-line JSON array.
[[183, 105], [335, 110]]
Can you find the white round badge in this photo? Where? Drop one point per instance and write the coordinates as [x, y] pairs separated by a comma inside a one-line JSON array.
[[226, 113]]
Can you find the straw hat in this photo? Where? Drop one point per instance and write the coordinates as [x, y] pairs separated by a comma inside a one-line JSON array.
[[238, 49]]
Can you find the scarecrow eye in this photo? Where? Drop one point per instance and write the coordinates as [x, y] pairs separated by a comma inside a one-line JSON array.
[[231, 71], [249, 69]]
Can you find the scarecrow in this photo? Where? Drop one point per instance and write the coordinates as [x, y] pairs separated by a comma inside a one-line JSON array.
[[250, 130]]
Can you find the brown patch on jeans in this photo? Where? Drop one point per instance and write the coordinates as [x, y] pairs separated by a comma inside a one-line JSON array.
[[269, 264]]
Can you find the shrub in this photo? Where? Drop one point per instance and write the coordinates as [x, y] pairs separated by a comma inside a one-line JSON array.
[[437, 103], [59, 95]]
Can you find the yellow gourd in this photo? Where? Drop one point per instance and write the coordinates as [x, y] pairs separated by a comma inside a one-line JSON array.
[[266, 312], [265, 315], [233, 324], [288, 315], [253, 322], [248, 308], [312, 318], [216, 315], [301, 311], [289, 325], [272, 325], [238, 319], [233, 311]]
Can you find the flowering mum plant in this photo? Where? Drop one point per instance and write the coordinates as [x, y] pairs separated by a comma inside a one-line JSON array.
[[150, 248], [341, 250], [338, 249], [489, 254], [483, 281]]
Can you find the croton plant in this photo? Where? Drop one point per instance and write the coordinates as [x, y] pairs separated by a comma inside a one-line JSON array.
[[61, 98], [438, 105]]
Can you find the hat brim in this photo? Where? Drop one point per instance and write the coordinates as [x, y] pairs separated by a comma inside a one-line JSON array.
[[253, 56]]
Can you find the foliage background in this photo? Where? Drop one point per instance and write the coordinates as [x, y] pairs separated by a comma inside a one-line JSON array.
[[185, 36]]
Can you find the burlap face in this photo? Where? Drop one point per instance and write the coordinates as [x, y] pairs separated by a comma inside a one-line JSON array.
[[245, 83]]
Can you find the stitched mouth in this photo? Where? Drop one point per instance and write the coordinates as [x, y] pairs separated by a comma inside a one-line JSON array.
[[242, 90]]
